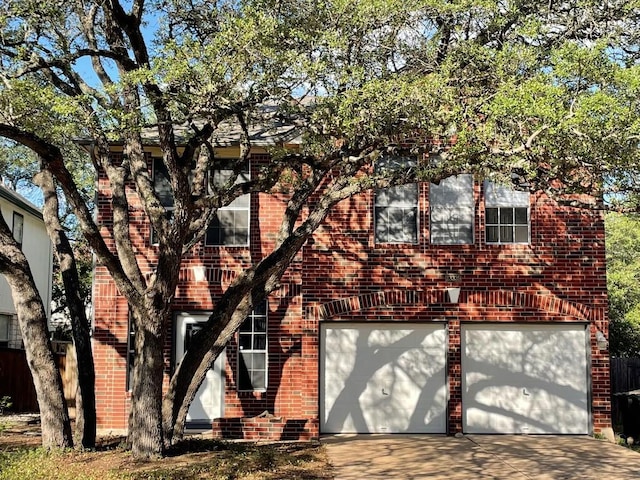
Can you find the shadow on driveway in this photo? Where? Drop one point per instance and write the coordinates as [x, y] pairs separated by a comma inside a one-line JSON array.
[[478, 457]]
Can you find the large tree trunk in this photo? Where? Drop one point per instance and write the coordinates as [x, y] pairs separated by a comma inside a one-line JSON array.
[[145, 419], [194, 366], [86, 398], [54, 416]]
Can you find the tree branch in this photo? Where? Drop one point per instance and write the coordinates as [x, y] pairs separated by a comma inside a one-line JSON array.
[[53, 161]]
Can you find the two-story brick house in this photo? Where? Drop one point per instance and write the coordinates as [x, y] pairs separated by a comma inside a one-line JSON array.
[[458, 307]]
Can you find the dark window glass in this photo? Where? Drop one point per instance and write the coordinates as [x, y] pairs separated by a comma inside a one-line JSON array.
[[491, 216], [507, 225], [506, 214], [162, 183], [131, 350], [5, 322], [252, 354], [522, 217]]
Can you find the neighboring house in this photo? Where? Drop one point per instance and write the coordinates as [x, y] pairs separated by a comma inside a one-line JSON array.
[[26, 223], [458, 307]]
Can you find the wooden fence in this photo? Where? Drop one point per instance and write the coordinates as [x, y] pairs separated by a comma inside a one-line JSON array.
[[625, 377], [68, 366], [625, 374], [16, 382]]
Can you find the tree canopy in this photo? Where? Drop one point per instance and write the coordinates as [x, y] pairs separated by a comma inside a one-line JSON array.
[[541, 93], [623, 272]]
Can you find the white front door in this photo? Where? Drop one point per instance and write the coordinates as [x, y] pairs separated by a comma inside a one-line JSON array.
[[525, 378], [383, 378], [209, 401]]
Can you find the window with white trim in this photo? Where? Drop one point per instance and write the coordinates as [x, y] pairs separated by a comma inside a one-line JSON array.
[[452, 210], [252, 351], [5, 323], [230, 225], [18, 228], [131, 351], [162, 183], [396, 208], [162, 187], [506, 214]]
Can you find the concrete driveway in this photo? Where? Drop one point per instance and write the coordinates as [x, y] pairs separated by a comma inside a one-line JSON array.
[[510, 457]]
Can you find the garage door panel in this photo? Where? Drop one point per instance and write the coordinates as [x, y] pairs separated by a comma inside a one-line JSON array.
[[524, 379], [342, 341], [392, 381]]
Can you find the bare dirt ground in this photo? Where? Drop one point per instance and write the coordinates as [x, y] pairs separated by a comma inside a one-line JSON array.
[[197, 456], [18, 431]]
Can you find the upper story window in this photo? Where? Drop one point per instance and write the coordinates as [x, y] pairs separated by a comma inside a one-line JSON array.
[[230, 225], [18, 228], [252, 351], [396, 208], [506, 214], [452, 210], [5, 322], [162, 183], [162, 187]]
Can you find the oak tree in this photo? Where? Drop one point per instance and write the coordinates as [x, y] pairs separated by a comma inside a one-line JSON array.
[[543, 94]]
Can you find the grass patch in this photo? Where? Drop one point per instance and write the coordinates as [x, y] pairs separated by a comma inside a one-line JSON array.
[[39, 464], [192, 459]]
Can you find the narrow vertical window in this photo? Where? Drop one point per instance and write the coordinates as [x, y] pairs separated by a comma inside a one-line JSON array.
[[506, 214], [396, 208], [252, 351], [230, 225], [18, 228], [5, 322], [131, 351], [452, 210], [162, 187], [162, 183]]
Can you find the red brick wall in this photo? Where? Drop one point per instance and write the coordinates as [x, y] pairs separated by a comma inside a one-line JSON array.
[[290, 362], [342, 275], [559, 277]]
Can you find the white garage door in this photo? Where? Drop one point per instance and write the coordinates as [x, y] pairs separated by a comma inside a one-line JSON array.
[[524, 379], [383, 378]]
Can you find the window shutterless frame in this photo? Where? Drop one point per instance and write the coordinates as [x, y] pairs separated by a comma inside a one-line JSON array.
[[230, 226], [506, 215], [162, 187], [18, 228], [253, 358], [131, 351], [395, 209], [5, 323], [452, 211], [507, 224]]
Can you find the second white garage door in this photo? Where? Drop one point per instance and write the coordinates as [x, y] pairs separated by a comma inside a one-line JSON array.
[[383, 378], [525, 379]]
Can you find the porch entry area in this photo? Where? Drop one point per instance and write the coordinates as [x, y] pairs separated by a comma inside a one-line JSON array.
[[209, 401]]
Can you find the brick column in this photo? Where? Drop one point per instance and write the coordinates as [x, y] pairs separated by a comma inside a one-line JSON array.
[[455, 379]]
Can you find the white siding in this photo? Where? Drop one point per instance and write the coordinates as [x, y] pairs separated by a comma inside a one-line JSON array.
[[37, 248]]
